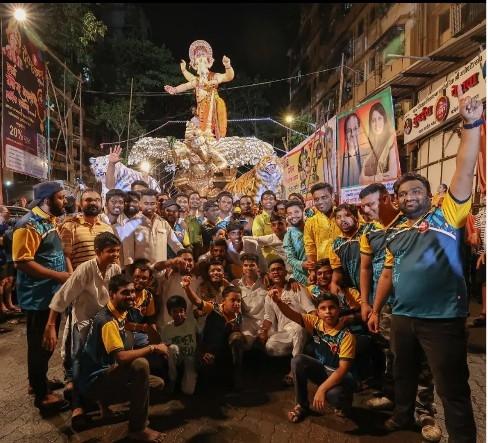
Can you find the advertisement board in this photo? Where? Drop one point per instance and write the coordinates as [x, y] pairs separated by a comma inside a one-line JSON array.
[[441, 105], [23, 101]]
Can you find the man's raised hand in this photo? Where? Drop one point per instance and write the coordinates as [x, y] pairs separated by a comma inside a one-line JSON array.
[[470, 109], [114, 155]]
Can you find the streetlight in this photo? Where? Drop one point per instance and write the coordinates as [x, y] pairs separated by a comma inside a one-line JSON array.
[[289, 118], [20, 15]]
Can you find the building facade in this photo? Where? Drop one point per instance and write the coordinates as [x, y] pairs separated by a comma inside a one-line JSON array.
[[410, 47]]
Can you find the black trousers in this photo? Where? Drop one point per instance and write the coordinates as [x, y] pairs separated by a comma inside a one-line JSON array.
[[37, 356], [444, 342]]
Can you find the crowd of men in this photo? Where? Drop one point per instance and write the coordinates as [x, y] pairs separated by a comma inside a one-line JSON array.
[[170, 292]]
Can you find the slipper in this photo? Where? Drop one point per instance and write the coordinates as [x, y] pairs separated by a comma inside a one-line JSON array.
[[297, 414], [4, 330]]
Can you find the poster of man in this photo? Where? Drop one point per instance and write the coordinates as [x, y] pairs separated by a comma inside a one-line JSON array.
[[367, 146], [312, 161]]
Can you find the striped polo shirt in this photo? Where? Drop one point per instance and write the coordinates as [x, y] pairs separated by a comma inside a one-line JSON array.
[[78, 235]]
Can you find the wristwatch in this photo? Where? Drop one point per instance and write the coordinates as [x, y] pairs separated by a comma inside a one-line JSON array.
[[475, 124]]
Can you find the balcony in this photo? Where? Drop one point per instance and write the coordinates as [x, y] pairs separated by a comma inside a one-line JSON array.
[[465, 16]]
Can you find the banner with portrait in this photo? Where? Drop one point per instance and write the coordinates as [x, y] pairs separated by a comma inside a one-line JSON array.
[[367, 150], [23, 101], [312, 161]]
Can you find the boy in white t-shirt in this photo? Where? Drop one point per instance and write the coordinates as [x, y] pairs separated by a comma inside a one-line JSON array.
[[180, 335]]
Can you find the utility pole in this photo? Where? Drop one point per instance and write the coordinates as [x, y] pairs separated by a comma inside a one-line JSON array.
[[341, 84], [130, 108], [81, 133]]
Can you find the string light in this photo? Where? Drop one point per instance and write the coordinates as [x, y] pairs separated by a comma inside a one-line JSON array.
[[228, 88], [181, 122]]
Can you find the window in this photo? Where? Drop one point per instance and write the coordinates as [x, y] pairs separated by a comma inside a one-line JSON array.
[[371, 64], [394, 43]]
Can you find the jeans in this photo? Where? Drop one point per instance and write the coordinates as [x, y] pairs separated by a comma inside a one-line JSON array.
[[306, 368], [129, 381], [444, 342], [37, 356]]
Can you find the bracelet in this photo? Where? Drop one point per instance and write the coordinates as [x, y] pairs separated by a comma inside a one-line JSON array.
[[475, 124], [151, 349]]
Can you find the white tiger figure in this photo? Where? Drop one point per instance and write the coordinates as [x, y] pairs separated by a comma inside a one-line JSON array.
[[124, 176]]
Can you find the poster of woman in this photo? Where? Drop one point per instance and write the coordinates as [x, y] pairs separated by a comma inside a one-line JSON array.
[[367, 146]]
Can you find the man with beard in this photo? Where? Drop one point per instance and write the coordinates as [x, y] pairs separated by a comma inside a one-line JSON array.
[[245, 203], [153, 236], [38, 254], [424, 263], [114, 206], [293, 242], [127, 222], [253, 292], [78, 236], [111, 370], [384, 218], [78, 233], [211, 213], [171, 213], [320, 229], [287, 337], [169, 284], [345, 256]]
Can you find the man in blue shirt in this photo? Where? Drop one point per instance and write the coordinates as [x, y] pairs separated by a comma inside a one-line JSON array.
[[424, 264], [38, 253]]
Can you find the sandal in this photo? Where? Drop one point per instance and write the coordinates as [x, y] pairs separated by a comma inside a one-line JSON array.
[[288, 380], [297, 414]]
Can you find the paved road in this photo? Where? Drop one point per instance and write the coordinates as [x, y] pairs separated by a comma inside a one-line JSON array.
[[255, 415]]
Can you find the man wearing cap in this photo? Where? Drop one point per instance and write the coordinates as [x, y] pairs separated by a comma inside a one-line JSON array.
[[38, 254]]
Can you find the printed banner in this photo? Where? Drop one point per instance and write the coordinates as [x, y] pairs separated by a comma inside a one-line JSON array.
[[442, 105], [312, 161], [23, 98], [367, 147]]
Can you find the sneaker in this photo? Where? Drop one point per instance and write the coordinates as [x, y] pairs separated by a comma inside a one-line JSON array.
[[379, 403], [431, 431]]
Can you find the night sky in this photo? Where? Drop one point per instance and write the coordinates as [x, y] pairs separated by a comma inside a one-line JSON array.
[[256, 37]]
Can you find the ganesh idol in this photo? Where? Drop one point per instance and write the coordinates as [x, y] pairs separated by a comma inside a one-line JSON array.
[[211, 109]]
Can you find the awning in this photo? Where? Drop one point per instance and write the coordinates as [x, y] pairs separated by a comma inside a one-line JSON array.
[[441, 61]]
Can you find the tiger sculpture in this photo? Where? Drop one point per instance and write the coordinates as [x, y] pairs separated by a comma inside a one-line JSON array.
[[266, 175]]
